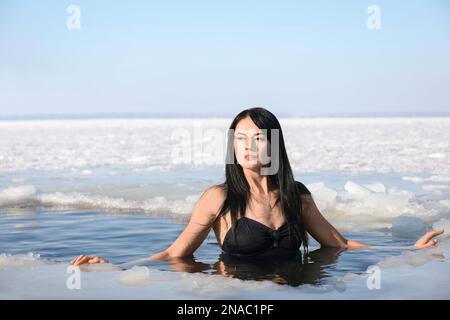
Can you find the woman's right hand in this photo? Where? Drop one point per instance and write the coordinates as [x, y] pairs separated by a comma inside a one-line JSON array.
[[87, 259], [427, 240]]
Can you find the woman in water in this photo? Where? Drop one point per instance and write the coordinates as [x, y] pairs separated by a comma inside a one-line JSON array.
[[260, 211]]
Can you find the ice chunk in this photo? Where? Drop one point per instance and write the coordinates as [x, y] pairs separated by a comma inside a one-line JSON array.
[[356, 190], [442, 224], [17, 195], [407, 226], [413, 179], [20, 260], [323, 197], [136, 276], [376, 187]]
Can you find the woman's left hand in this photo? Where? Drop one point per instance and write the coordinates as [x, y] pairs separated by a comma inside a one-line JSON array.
[[82, 259], [427, 240]]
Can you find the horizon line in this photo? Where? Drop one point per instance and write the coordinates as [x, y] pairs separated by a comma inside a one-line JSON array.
[[162, 115]]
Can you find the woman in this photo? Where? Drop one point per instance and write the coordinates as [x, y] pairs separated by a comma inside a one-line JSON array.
[[255, 214]]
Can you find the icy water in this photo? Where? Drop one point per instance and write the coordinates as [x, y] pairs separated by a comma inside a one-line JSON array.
[[60, 236], [98, 187]]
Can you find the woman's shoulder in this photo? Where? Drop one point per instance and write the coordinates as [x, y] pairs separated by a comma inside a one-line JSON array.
[[214, 195], [302, 188], [216, 192], [209, 203]]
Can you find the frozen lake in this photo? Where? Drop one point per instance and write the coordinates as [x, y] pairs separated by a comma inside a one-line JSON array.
[[123, 189]]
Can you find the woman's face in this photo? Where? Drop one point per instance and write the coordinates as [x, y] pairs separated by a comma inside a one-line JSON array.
[[250, 144]]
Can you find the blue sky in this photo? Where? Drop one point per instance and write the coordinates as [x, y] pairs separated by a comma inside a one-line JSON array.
[[219, 57]]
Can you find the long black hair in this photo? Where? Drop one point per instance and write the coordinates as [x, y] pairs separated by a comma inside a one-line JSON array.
[[238, 190]]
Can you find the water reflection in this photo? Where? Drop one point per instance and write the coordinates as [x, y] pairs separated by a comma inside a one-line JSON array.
[[312, 268], [308, 269]]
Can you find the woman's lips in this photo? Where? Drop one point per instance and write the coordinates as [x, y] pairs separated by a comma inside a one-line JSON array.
[[248, 157]]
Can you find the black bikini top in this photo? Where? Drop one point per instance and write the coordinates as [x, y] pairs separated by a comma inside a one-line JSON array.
[[255, 239]]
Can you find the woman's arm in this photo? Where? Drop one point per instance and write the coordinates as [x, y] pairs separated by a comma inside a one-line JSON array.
[[202, 219], [321, 230], [324, 233]]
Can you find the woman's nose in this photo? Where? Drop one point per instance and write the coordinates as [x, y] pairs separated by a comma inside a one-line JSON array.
[[250, 144]]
